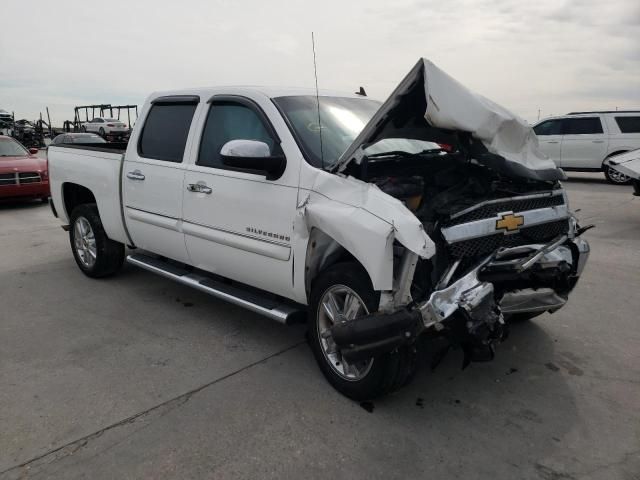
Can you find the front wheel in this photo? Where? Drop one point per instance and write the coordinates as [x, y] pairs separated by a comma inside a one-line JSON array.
[[615, 177], [102, 132], [95, 253], [344, 292]]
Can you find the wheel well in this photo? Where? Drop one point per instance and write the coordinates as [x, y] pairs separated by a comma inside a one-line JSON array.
[[74, 195], [322, 252]]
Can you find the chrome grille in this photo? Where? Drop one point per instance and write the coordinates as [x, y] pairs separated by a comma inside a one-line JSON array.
[[485, 245], [494, 207], [8, 179], [20, 178], [29, 177]]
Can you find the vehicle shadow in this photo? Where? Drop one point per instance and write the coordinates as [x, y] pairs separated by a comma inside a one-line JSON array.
[[20, 204], [514, 413], [506, 409], [594, 178]]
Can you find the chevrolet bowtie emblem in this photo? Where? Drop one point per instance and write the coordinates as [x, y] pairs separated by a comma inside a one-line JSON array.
[[509, 222]]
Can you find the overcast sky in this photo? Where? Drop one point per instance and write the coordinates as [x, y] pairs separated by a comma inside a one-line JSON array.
[[548, 54]]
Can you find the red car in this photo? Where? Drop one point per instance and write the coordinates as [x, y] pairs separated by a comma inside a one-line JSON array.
[[22, 174]]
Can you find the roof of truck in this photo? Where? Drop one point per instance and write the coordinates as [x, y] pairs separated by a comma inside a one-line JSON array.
[[271, 92]]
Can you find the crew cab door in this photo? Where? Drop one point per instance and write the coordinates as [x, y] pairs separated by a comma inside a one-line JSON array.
[[584, 143], [153, 177], [238, 223], [549, 135]]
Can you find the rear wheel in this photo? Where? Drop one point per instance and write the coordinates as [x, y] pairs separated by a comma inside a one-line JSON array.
[[344, 291], [615, 177], [102, 132], [95, 253]]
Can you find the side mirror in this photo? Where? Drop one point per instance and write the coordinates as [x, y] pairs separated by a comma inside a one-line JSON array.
[[33, 151], [253, 155]]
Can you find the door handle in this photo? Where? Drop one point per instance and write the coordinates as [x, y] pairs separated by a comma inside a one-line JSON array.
[[553, 141], [135, 175], [597, 141], [199, 188]]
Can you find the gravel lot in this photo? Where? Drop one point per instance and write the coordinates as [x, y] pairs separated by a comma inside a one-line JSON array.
[[138, 377]]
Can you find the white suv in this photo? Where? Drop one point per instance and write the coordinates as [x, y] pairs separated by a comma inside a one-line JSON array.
[[582, 141]]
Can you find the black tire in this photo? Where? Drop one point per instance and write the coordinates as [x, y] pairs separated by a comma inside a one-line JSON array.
[[615, 178], [102, 132], [390, 371], [109, 255]]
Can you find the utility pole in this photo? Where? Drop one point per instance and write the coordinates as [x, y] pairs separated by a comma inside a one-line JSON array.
[[538, 114]]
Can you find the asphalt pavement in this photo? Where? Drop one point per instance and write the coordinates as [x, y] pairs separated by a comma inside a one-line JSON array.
[[138, 377]]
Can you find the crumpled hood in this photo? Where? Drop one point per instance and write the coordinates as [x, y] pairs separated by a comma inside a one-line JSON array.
[[498, 139]]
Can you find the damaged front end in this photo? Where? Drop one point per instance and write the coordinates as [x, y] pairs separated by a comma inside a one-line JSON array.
[[495, 239], [489, 278]]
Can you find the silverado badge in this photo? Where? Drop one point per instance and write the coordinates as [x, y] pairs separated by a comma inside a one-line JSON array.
[[509, 222]]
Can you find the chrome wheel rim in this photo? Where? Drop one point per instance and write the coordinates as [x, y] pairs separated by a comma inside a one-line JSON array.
[[616, 176], [85, 242], [339, 303]]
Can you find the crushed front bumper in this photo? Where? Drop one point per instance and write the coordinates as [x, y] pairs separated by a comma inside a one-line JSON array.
[[471, 311]]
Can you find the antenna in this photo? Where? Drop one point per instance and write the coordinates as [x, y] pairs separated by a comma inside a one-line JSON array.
[[315, 72]]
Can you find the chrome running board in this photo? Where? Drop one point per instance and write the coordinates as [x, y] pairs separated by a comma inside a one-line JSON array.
[[263, 303]]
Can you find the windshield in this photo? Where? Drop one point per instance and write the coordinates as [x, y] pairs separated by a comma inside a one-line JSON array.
[[342, 118], [11, 148], [411, 146]]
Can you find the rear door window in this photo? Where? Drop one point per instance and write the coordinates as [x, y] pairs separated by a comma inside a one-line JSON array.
[[581, 126], [628, 124], [550, 127], [165, 131]]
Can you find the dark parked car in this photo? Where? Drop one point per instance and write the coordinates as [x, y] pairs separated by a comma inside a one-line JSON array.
[[66, 138]]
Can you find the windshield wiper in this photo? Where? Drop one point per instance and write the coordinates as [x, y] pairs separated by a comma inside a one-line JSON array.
[[403, 154]]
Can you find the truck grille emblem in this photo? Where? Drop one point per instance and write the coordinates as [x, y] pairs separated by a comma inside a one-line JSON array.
[[509, 222]]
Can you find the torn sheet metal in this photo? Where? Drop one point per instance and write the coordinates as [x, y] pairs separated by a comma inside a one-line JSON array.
[[451, 106], [627, 163], [467, 292], [365, 221]]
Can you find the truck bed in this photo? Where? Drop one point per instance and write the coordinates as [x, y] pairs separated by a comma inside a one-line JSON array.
[[110, 147], [96, 167]]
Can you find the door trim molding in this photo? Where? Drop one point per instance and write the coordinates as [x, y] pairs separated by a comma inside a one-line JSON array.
[[155, 219], [241, 241]]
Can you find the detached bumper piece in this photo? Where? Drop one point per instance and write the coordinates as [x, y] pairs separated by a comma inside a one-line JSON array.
[[373, 335]]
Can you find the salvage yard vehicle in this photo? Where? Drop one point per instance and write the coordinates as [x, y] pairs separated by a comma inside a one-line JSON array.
[[627, 164], [106, 127], [583, 141], [84, 138], [433, 213], [22, 174]]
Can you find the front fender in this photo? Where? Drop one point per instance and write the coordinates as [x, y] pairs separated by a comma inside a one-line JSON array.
[[365, 221]]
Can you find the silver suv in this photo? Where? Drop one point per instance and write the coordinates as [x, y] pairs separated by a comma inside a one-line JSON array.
[[582, 141]]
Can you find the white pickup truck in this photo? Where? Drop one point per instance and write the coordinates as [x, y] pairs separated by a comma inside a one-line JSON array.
[[433, 213]]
